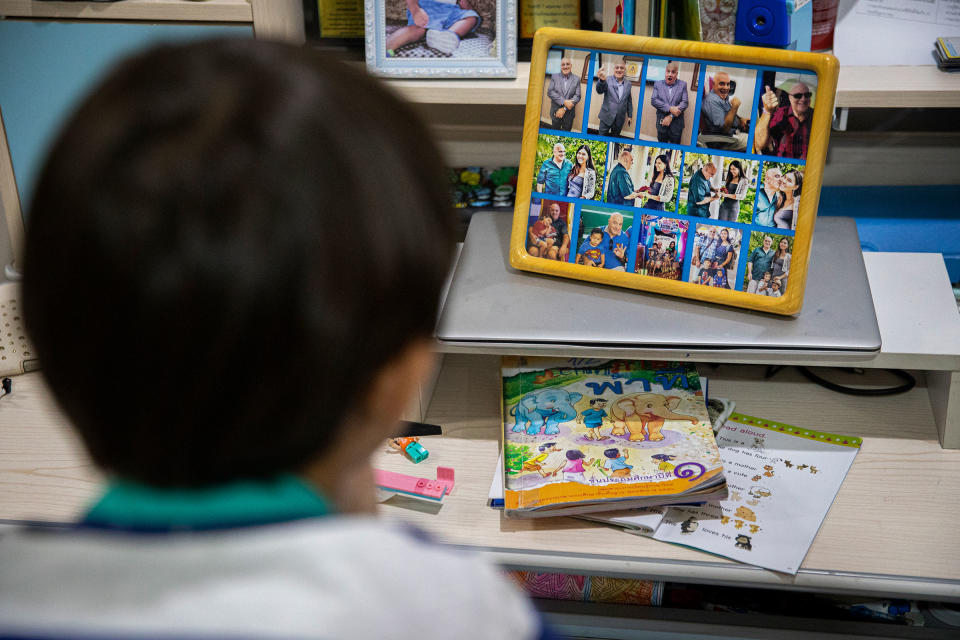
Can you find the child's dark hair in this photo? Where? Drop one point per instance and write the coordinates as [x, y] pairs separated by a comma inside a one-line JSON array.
[[199, 311], [575, 454], [612, 453], [547, 445], [594, 401], [597, 230]]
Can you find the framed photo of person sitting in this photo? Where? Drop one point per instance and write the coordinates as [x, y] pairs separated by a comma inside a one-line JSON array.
[[690, 169]]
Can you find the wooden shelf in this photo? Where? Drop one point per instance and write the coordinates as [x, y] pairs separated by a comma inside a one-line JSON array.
[[880, 87], [180, 10], [897, 87]]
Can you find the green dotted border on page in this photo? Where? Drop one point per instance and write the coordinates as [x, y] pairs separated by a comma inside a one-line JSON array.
[[809, 434]]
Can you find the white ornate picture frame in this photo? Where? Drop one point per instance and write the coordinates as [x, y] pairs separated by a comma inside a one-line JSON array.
[[488, 49]]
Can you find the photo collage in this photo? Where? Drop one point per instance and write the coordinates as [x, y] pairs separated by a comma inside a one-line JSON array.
[[677, 169]]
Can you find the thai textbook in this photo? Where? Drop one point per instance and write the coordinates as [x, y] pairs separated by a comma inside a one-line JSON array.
[[781, 479], [589, 435]]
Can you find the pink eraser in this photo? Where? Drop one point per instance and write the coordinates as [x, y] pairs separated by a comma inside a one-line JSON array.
[[418, 487]]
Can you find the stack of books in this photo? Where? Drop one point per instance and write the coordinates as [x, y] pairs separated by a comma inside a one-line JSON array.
[[632, 444], [586, 436]]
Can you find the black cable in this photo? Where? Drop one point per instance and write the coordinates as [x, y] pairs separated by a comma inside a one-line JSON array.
[[909, 383]]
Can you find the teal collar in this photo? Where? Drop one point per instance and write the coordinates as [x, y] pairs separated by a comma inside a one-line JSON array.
[[127, 505]]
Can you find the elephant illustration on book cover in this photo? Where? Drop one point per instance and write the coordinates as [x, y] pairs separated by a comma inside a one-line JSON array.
[[641, 415], [545, 409]]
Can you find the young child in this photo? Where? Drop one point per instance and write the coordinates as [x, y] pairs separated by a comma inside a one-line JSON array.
[[764, 285], [443, 22], [590, 252], [592, 418], [539, 462], [774, 290], [616, 463], [573, 471], [543, 234], [225, 360], [707, 273]]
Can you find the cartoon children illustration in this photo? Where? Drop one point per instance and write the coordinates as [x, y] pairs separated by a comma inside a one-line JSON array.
[[590, 252], [813, 469], [759, 492], [543, 235], [593, 417], [574, 468], [768, 470], [665, 464], [539, 463], [689, 525], [616, 463], [743, 542]]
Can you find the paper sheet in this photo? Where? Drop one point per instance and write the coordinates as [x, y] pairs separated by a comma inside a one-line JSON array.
[[892, 32]]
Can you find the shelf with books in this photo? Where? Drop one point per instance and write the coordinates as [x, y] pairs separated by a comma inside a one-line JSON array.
[[271, 19], [858, 87], [211, 10]]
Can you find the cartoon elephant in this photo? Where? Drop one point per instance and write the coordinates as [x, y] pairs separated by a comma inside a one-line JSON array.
[[643, 414], [545, 409]]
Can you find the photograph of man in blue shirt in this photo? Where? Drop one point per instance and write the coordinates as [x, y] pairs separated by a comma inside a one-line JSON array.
[[552, 177]]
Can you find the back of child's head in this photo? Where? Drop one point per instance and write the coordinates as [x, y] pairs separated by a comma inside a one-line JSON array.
[[612, 453], [575, 454], [547, 445], [227, 243]]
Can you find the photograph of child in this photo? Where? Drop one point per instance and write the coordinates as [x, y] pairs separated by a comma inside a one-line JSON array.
[[768, 264], [658, 171], [662, 246], [669, 96], [616, 96], [614, 242], [716, 252], [569, 166], [725, 108], [778, 199], [548, 234], [784, 113], [440, 28], [738, 187], [564, 89]]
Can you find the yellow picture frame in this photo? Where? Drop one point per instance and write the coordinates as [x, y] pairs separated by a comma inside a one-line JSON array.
[[762, 60]]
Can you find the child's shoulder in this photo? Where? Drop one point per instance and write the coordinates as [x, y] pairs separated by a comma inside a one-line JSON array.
[[335, 577]]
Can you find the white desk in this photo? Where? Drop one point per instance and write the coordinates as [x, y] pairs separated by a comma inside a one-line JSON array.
[[892, 529]]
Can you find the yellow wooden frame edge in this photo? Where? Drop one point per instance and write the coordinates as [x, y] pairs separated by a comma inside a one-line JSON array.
[[825, 66]]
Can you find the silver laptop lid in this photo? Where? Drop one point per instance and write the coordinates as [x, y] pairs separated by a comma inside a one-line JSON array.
[[491, 303]]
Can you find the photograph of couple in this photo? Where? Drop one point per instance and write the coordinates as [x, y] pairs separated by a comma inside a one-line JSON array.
[[715, 254], [643, 177], [768, 264], [564, 90], [548, 233], [603, 238], [784, 114], [569, 167], [718, 187], [778, 200], [662, 246]]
